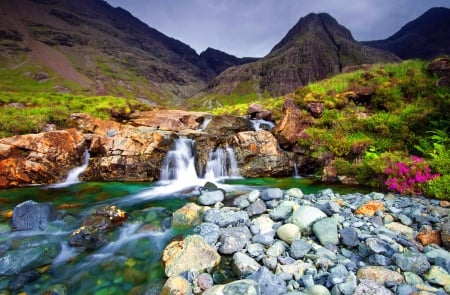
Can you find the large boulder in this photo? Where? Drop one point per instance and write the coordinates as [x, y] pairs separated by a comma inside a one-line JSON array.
[[30, 215], [39, 158], [259, 155], [227, 125]]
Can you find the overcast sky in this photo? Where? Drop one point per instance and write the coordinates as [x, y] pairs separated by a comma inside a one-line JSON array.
[[253, 27]]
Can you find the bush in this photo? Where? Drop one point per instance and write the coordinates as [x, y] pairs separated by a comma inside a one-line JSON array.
[[438, 187]]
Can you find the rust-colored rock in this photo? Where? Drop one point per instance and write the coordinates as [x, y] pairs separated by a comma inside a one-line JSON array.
[[169, 120], [370, 208], [429, 237]]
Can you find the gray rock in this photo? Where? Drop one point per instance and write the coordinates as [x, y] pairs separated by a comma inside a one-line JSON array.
[[270, 262], [288, 232], [243, 264], [378, 246], [349, 285], [338, 274], [208, 198], [253, 196], [269, 284], [376, 259], [282, 211], [405, 219], [265, 239], [255, 250], [226, 216], [307, 281], [367, 287], [326, 231], [328, 207], [256, 208], [209, 231], [305, 216], [277, 249], [31, 215], [412, 261], [316, 290], [438, 256], [24, 278], [349, 237], [299, 248], [233, 239], [412, 278], [294, 193], [240, 287], [271, 194], [405, 289]]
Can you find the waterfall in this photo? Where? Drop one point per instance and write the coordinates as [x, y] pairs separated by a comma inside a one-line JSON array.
[[258, 124], [296, 171], [72, 177], [179, 163], [222, 163]]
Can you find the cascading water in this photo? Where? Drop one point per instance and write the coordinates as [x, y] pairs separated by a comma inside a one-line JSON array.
[[179, 164], [74, 174], [259, 124]]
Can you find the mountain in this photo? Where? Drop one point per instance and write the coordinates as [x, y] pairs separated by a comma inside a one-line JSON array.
[[426, 37], [89, 46], [317, 47], [219, 61]]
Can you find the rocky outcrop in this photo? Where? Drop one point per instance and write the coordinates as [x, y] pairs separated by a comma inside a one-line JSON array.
[[169, 120], [259, 155], [39, 158]]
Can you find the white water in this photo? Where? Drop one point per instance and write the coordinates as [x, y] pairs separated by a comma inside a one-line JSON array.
[[205, 123], [296, 171], [74, 174], [257, 124]]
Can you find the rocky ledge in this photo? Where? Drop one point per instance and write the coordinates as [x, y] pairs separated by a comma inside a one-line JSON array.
[[285, 242]]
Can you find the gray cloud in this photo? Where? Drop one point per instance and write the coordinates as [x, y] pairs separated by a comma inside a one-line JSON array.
[[253, 27]]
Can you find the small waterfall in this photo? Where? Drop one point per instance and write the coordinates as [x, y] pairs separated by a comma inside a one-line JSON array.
[[258, 124], [222, 163], [179, 164], [72, 177], [296, 171], [205, 123]]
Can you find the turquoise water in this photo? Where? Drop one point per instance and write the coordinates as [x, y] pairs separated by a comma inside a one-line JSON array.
[[131, 262]]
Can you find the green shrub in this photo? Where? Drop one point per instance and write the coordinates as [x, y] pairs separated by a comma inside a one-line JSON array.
[[438, 187]]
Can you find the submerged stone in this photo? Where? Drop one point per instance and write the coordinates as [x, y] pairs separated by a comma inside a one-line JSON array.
[[31, 215]]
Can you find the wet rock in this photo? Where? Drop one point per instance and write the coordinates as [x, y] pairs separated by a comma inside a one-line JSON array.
[[24, 278], [233, 239], [226, 216], [269, 284], [369, 287], [326, 231], [187, 216], [181, 256], [227, 125], [169, 120], [177, 285], [209, 198], [412, 261], [209, 231], [114, 214], [288, 232], [31, 215], [243, 264], [349, 237], [379, 274], [305, 216], [88, 238]]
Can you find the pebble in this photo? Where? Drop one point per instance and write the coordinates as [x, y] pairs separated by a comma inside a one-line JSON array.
[[288, 232], [326, 231]]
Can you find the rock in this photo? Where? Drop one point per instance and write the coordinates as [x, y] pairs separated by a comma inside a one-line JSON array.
[[412, 278], [349, 285], [326, 231], [305, 216], [209, 198], [437, 275], [429, 237], [30, 215], [226, 216], [349, 237], [258, 207], [379, 246], [370, 208], [401, 229], [379, 274], [177, 285], [369, 287], [445, 234], [316, 290], [181, 256], [227, 125], [240, 287], [291, 125], [269, 284], [209, 231], [438, 257], [115, 215], [233, 239], [88, 238], [440, 66], [282, 211], [293, 270], [253, 195], [39, 158], [254, 108], [271, 194], [299, 248], [243, 264], [24, 278], [36, 254], [294, 193], [277, 249], [288, 232], [169, 120], [315, 108], [187, 216], [255, 250], [260, 156], [205, 281], [413, 262]]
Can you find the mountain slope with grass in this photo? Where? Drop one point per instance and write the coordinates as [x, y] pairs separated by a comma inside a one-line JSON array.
[[426, 37], [317, 47], [87, 46]]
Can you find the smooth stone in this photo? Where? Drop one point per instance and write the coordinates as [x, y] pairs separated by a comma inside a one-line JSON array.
[[305, 216], [438, 257], [226, 216], [295, 193], [265, 239], [299, 248], [271, 262], [337, 275], [187, 216], [405, 219], [288, 232], [30, 215], [349, 285], [253, 195], [379, 274], [282, 211], [233, 239], [262, 224], [255, 250], [412, 261], [405, 289], [316, 290], [349, 237], [277, 249], [209, 231], [307, 280], [271, 194], [258, 207], [326, 231], [368, 287], [412, 279], [269, 284], [209, 198], [243, 264], [240, 287], [177, 285], [328, 207]]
